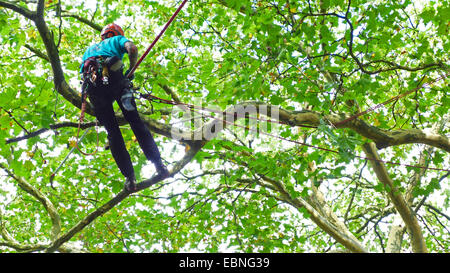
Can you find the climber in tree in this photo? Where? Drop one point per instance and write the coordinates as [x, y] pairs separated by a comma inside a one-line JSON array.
[[104, 83]]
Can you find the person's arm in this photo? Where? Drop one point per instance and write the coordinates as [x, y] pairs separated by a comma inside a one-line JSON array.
[[132, 53]]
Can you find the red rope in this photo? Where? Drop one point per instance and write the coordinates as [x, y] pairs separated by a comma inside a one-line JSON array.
[[156, 39], [152, 97]]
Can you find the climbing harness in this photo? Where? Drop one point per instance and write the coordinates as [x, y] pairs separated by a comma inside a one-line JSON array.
[[95, 69], [95, 72]]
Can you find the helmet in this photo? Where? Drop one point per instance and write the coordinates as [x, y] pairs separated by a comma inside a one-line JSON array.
[[111, 30]]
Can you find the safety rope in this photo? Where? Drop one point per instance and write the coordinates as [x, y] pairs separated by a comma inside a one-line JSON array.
[[156, 40], [154, 98], [195, 108]]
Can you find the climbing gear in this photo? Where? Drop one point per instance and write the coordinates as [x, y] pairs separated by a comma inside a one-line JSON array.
[[90, 71], [95, 70], [132, 76], [156, 40], [105, 75], [126, 99], [127, 95], [111, 30]]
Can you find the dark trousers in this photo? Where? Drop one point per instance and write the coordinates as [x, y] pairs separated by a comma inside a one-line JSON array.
[[102, 97]]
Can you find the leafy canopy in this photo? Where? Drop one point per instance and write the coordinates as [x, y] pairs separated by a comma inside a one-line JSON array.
[[318, 61]]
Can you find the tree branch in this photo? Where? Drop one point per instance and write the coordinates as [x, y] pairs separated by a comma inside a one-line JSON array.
[[383, 138], [52, 127], [395, 237], [37, 52], [40, 8], [120, 197], [48, 205], [334, 228], [21, 10], [408, 216], [83, 20], [437, 211]]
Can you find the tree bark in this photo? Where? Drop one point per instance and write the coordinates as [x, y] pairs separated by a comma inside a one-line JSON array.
[[407, 214]]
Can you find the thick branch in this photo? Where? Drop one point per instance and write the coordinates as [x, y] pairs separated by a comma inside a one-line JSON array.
[[334, 228], [21, 247], [40, 8], [317, 200], [407, 214], [383, 138], [342, 236], [395, 238], [52, 127]]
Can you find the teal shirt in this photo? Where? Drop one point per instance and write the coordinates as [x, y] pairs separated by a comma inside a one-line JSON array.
[[114, 46]]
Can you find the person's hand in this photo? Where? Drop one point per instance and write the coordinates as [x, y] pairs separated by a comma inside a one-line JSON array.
[[132, 76]]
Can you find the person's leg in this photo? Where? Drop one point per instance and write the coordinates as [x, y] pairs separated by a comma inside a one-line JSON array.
[[144, 138], [105, 114]]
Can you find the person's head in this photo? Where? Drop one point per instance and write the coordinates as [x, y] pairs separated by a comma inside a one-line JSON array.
[[111, 30]]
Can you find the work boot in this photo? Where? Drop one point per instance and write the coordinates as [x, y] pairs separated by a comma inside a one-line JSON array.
[[130, 184], [163, 173]]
